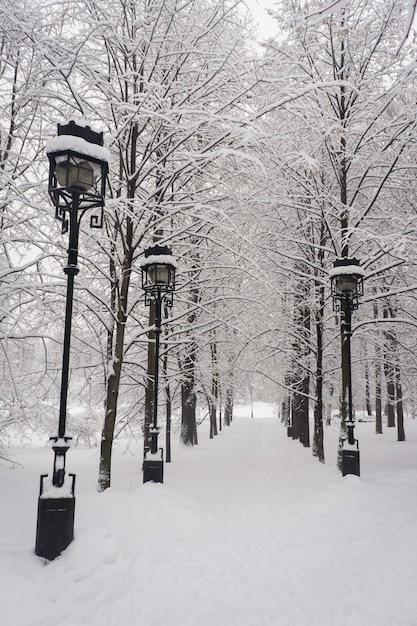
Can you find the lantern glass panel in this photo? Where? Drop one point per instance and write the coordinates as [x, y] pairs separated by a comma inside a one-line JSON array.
[[159, 274], [346, 283], [78, 176]]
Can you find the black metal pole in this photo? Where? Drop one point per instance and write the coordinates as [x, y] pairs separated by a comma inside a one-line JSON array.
[[348, 333], [350, 456], [71, 270], [153, 467], [158, 316], [345, 346]]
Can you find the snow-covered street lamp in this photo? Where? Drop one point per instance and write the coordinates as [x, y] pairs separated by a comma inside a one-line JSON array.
[[347, 285], [158, 282], [78, 166]]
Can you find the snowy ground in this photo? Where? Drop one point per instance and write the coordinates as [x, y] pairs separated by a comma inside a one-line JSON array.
[[247, 530]]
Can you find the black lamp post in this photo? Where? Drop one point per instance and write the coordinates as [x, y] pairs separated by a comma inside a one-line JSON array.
[[347, 285], [78, 165], [158, 282]]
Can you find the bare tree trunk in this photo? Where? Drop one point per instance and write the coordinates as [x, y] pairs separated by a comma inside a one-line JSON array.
[[367, 388], [188, 434], [303, 384], [295, 414], [301, 375], [399, 399], [189, 400], [304, 413], [228, 407], [188, 423], [318, 436], [330, 405], [113, 382], [390, 405], [378, 396], [168, 410], [286, 404], [389, 371], [378, 381], [214, 391]]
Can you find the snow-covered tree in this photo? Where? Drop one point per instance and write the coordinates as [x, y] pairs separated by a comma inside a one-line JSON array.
[[344, 96]]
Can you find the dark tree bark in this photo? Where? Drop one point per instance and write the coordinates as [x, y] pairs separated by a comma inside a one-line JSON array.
[[188, 393], [213, 402], [295, 417], [168, 410], [228, 407], [318, 437], [286, 403], [113, 383], [303, 408], [393, 376], [378, 397], [378, 382], [301, 381], [367, 389], [188, 403], [399, 399], [389, 371]]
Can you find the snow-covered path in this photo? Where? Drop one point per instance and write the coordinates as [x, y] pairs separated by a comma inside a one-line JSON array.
[[247, 530]]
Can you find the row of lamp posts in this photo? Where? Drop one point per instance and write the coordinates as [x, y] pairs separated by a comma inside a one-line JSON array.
[[78, 167]]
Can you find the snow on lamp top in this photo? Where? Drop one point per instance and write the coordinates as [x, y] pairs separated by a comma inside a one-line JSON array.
[[346, 277], [152, 256], [80, 139], [158, 269], [346, 266]]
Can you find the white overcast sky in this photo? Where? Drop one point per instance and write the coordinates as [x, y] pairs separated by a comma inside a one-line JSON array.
[[266, 24]]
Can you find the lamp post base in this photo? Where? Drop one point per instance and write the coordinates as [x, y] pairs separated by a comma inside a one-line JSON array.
[[153, 468], [350, 462], [55, 523]]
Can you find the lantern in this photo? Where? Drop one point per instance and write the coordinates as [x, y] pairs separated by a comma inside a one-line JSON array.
[[78, 166]]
